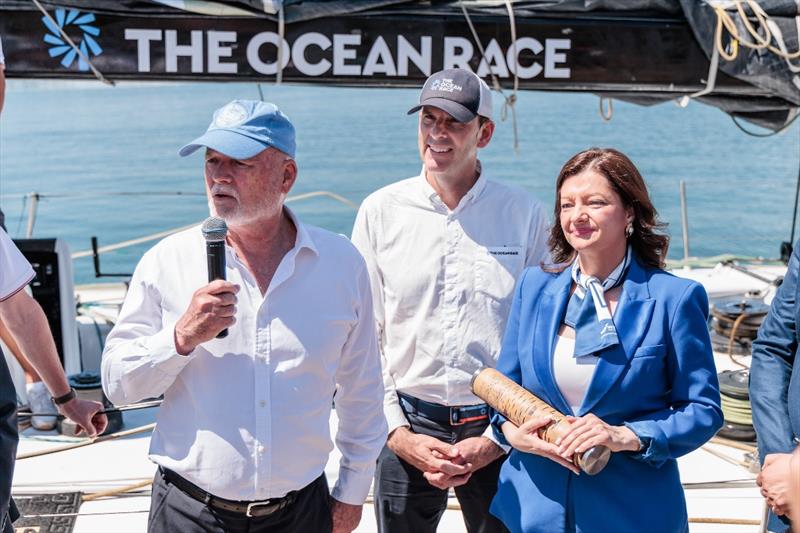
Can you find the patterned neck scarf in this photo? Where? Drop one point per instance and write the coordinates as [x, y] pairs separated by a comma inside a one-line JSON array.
[[587, 310]]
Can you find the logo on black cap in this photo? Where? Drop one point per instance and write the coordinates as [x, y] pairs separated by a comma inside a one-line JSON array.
[[445, 85]]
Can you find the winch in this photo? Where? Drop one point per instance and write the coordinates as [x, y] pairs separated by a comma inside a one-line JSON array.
[[735, 401], [735, 323]]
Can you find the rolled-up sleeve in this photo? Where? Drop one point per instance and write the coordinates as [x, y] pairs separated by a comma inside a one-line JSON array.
[[362, 428], [140, 360]]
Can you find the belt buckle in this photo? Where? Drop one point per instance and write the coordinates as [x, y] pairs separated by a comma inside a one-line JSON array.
[[456, 420], [267, 503]]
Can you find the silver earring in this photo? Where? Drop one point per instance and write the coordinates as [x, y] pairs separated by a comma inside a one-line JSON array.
[[629, 230]]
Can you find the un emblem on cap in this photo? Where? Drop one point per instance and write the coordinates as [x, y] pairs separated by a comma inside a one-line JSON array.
[[232, 114]]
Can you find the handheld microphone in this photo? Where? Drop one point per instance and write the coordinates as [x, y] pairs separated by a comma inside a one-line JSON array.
[[214, 230]]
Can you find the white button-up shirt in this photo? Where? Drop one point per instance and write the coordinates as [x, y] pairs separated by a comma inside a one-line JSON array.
[[246, 417], [15, 270], [443, 282]]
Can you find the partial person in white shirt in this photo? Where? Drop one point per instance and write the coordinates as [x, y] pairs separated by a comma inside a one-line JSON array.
[[27, 323], [444, 250], [39, 399], [242, 435]]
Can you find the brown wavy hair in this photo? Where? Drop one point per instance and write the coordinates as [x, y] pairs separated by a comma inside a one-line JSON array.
[[649, 243]]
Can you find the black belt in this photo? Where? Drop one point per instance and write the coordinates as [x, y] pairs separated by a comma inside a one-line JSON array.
[[456, 415], [249, 509]]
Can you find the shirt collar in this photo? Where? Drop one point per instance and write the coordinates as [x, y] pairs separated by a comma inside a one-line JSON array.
[[303, 239], [472, 195]]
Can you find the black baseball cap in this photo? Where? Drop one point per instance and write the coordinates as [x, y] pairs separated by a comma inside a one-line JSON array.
[[458, 92]]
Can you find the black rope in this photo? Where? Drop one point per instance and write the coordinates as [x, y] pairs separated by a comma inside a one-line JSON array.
[[770, 134], [130, 407], [21, 214]]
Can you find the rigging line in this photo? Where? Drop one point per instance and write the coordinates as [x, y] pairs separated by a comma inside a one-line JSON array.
[[279, 74], [121, 408], [711, 81], [57, 515], [778, 36], [718, 37], [724, 19], [161, 234], [132, 242], [87, 442], [22, 489], [770, 134], [607, 113], [21, 214], [117, 491], [732, 340], [761, 16], [508, 100], [759, 42], [511, 101], [97, 73], [794, 214], [61, 195], [725, 457]]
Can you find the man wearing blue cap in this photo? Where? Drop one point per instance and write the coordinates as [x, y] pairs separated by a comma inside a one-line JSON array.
[[444, 250], [243, 433]]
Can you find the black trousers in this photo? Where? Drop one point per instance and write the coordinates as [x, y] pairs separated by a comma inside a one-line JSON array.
[[406, 503], [8, 446], [172, 511]]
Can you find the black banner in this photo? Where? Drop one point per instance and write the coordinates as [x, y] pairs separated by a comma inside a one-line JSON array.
[[586, 53]]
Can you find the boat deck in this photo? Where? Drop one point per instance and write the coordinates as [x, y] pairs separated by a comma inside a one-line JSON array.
[[720, 490]]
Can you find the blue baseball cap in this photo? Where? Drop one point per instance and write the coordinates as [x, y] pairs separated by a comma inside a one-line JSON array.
[[243, 129]]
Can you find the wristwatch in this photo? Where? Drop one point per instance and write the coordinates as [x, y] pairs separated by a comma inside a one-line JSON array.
[[64, 398]]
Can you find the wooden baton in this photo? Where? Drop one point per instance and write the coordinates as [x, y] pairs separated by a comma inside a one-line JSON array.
[[519, 405]]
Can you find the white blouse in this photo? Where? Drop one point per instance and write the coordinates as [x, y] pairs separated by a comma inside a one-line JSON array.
[[572, 374]]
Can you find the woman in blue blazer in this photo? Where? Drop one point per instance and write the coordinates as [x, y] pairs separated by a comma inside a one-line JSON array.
[[618, 344]]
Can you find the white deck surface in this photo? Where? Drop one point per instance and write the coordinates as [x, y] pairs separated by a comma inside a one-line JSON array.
[[109, 465]]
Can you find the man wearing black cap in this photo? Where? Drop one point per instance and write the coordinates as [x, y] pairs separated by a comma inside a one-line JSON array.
[[444, 250], [243, 433]]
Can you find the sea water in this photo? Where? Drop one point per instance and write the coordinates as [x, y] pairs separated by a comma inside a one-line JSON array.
[[104, 159]]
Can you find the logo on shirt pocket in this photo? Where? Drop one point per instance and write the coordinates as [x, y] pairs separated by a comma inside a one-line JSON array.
[[496, 270]]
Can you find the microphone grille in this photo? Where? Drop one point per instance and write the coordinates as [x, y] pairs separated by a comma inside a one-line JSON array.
[[214, 229]]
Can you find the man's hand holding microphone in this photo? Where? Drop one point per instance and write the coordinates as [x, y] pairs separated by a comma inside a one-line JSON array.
[[213, 307]]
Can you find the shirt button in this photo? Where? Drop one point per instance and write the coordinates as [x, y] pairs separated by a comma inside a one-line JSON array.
[[260, 448], [262, 403]]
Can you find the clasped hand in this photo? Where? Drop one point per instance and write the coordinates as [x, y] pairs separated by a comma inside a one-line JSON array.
[[212, 309], [443, 465], [775, 481]]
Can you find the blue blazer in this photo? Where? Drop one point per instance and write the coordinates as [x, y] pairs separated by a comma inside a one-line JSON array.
[[774, 376], [660, 381]]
